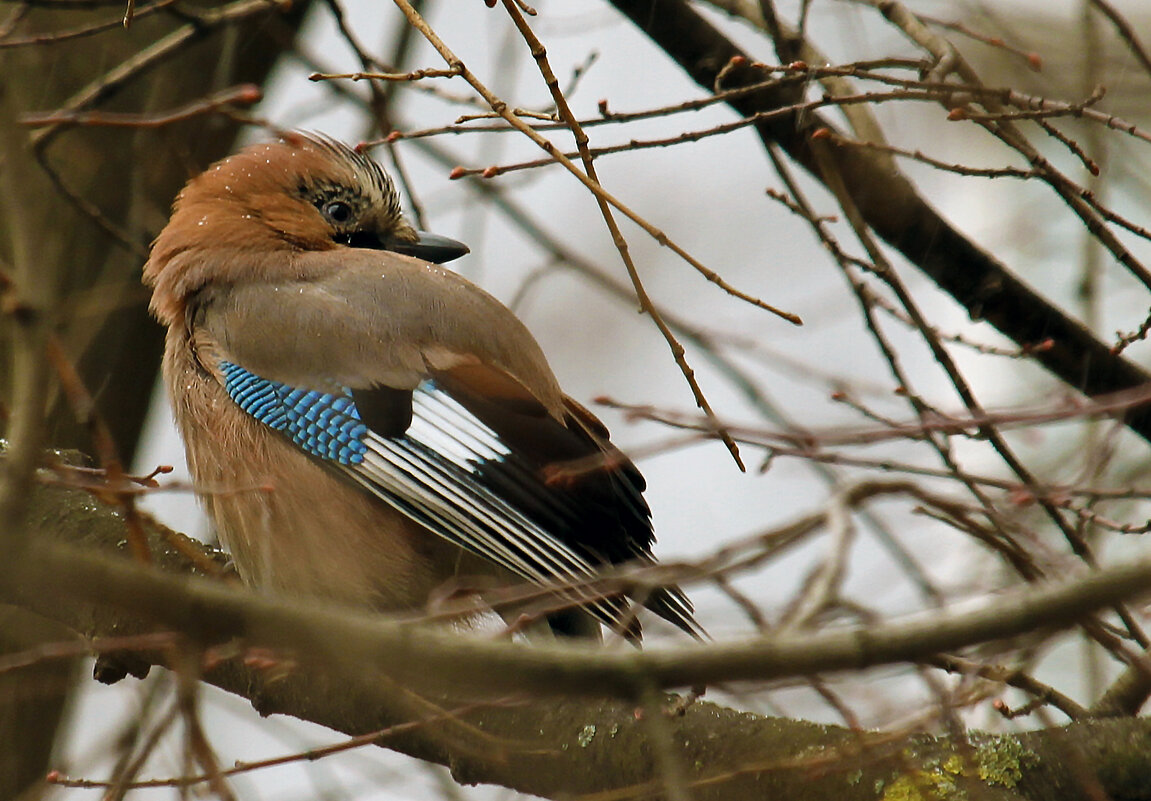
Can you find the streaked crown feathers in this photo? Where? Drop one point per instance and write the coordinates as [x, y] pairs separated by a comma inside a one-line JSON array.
[[265, 200]]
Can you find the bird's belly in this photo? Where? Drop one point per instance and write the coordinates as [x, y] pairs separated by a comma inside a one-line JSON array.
[[297, 528]]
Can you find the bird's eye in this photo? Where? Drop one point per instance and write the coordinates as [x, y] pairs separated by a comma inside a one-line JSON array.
[[337, 211]]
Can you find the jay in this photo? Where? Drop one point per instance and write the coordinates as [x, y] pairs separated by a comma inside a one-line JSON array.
[[366, 426]]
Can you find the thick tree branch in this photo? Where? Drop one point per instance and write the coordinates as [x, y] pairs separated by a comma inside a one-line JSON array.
[[431, 659], [544, 720], [891, 205]]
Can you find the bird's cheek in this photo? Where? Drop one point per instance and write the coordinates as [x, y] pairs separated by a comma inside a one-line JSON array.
[[289, 221]]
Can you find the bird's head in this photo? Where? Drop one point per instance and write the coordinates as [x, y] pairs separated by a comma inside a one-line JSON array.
[[302, 193]]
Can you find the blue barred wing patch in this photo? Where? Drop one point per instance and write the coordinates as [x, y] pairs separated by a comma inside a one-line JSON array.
[[433, 474], [323, 424], [428, 473]]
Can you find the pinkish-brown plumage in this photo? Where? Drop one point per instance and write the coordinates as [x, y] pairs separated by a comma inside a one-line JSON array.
[[282, 271]]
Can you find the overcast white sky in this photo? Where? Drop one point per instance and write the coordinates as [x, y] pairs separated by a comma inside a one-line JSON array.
[[709, 196]]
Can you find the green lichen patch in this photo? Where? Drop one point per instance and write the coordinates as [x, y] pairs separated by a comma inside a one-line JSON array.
[[923, 785], [1001, 761]]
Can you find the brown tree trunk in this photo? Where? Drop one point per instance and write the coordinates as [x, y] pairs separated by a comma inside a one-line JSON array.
[[89, 276]]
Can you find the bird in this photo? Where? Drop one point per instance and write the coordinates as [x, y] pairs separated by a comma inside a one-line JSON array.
[[364, 425]]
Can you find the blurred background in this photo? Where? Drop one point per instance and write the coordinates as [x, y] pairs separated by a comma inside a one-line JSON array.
[[539, 243]]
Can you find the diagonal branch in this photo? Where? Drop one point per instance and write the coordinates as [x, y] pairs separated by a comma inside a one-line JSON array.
[[891, 205], [569, 726]]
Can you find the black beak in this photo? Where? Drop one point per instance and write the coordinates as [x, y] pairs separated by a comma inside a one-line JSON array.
[[429, 247]]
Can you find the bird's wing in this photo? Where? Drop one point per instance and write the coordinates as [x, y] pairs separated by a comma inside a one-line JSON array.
[[451, 416]]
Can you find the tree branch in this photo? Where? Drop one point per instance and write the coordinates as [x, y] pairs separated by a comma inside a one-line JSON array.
[[550, 720], [891, 205]]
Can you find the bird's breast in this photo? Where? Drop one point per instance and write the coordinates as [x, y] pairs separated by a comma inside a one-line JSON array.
[[293, 526]]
